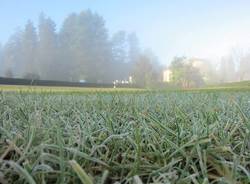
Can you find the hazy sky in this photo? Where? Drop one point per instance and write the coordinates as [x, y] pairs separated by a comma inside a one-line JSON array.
[[200, 28]]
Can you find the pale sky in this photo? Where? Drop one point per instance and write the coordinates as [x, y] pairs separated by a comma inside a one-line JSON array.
[[193, 28]]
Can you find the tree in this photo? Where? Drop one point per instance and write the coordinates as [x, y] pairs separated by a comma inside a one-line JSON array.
[[133, 51], [205, 68], [192, 77], [31, 76], [227, 69], [1, 60], [184, 74], [244, 67], [12, 56], [119, 55], [99, 56], [177, 68], [28, 49], [85, 38], [8, 73], [133, 47], [48, 65], [81, 50], [145, 71], [69, 52]]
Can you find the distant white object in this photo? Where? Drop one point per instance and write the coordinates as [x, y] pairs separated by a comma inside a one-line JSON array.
[[117, 82], [82, 81], [167, 75], [130, 79]]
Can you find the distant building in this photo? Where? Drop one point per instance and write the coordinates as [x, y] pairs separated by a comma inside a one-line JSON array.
[[167, 75], [202, 65]]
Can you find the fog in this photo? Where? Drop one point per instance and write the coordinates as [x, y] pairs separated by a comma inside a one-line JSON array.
[[82, 48]]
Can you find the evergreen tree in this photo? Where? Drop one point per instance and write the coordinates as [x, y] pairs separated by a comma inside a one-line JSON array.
[[1, 60], [12, 56], [49, 68], [120, 56], [28, 50], [81, 50], [85, 39]]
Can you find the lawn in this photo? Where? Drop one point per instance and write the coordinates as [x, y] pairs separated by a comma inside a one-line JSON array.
[[63, 90], [124, 136]]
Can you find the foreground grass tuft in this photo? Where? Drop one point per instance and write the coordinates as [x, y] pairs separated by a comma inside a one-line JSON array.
[[158, 137]]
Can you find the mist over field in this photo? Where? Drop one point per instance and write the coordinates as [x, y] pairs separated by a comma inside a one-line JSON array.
[[82, 48]]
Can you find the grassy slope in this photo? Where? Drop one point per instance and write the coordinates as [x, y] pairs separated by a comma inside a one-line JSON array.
[[233, 85], [242, 83]]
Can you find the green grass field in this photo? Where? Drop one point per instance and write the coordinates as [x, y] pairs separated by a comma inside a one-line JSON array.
[[63, 90], [75, 135]]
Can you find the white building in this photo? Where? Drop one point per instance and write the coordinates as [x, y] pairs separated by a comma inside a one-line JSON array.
[[167, 75]]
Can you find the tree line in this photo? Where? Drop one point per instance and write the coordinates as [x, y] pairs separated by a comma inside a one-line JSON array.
[[193, 72], [81, 49]]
